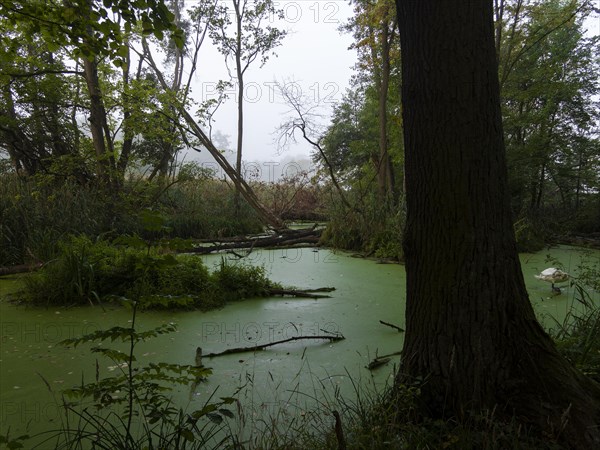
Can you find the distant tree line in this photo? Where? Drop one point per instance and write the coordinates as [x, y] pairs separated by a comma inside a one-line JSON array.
[[548, 70]]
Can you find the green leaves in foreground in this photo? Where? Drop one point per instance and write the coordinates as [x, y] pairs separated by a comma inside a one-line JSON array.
[[13, 443], [120, 333], [149, 383], [92, 28], [140, 392], [148, 378]]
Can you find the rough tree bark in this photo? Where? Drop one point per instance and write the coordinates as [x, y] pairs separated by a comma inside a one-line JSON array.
[[470, 329]]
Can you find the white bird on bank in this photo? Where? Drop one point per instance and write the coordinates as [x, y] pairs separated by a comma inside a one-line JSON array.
[[553, 275]]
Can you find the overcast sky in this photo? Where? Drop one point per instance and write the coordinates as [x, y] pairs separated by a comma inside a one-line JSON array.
[[314, 56]]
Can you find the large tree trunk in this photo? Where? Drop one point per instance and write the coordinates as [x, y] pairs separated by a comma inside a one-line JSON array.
[[98, 121], [470, 329], [385, 176], [16, 140], [96, 114], [380, 54]]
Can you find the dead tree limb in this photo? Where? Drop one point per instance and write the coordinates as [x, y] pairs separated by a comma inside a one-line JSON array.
[[194, 128], [376, 363], [288, 239], [305, 122], [400, 330], [388, 355], [308, 293], [331, 338], [22, 268], [379, 361], [323, 289], [339, 431]]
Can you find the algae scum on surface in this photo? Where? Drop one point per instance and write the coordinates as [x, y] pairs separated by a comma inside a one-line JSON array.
[[286, 377]]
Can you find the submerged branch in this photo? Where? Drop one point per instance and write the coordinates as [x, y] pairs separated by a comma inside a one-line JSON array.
[[379, 361], [23, 268], [331, 338], [400, 330], [305, 293]]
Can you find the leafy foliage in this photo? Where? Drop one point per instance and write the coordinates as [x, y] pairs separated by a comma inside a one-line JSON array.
[[364, 143], [374, 225], [89, 25], [578, 336], [548, 72], [66, 74], [37, 213], [92, 272], [137, 392], [373, 230]]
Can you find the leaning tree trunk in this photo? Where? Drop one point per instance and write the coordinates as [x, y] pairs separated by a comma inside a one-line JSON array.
[[245, 190], [470, 329]]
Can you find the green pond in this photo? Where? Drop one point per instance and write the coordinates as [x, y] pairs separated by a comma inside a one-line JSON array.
[[287, 378]]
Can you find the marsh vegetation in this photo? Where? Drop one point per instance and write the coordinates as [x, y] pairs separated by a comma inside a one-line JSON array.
[[121, 235]]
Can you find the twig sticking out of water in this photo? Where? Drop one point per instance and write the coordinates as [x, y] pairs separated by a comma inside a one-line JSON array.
[[400, 330], [339, 431], [379, 361], [198, 380]]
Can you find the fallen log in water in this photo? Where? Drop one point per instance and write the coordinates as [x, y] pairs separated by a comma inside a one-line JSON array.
[[396, 327], [331, 337], [305, 293], [289, 238], [22, 268], [589, 241], [379, 361]]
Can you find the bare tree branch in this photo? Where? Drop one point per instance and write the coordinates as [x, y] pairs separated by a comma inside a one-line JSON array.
[[305, 124]]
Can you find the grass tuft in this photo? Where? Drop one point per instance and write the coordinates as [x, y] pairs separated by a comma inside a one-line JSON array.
[[89, 272]]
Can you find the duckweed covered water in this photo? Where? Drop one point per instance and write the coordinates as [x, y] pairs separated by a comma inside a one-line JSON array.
[[289, 377]]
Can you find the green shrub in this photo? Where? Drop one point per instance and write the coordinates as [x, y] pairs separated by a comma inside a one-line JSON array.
[[578, 336], [529, 234], [132, 408], [37, 213], [34, 216], [84, 272], [90, 272], [241, 281], [375, 229]]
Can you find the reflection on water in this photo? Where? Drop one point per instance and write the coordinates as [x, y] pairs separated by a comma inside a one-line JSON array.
[[281, 379]]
